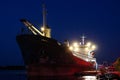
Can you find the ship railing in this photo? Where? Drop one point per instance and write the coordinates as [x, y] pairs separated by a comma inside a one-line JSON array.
[[84, 57]]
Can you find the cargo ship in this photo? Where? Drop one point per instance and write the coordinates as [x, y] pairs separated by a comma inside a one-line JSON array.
[[45, 56]]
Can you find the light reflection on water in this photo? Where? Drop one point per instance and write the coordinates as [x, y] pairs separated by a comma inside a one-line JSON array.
[[64, 78], [89, 77], [21, 75]]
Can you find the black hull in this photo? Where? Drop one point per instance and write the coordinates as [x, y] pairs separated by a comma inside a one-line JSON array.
[[35, 49], [45, 55]]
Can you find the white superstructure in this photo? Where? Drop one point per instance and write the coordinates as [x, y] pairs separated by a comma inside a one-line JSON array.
[[83, 50]]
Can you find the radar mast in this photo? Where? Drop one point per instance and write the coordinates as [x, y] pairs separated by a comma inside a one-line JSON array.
[[83, 39], [45, 29]]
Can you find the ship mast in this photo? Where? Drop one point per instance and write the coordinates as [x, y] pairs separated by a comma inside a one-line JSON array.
[[83, 40], [45, 29], [44, 15]]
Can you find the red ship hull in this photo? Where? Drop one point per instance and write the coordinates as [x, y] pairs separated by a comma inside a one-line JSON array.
[[45, 57], [58, 70]]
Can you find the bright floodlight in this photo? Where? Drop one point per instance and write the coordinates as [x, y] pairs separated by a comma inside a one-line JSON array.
[[89, 44], [71, 48], [75, 44], [86, 49], [93, 47], [76, 49], [42, 28]]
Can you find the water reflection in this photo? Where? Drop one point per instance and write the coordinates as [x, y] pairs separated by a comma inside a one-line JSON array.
[[89, 78], [21, 75], [63, 78]]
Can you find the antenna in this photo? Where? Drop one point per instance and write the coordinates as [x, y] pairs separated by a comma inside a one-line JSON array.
[[44, 15], [83, 39], [45, 29]]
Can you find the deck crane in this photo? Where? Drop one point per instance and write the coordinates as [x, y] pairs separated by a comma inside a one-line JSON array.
[[45, 29], [34, 30]]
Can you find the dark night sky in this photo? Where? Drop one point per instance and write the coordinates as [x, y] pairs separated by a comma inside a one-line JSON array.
[[99, 20]]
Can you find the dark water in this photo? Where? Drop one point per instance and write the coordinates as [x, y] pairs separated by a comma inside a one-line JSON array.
[[21, 75], [13, 75]]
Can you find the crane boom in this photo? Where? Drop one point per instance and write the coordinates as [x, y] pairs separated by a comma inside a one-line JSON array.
[[34, 30]]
